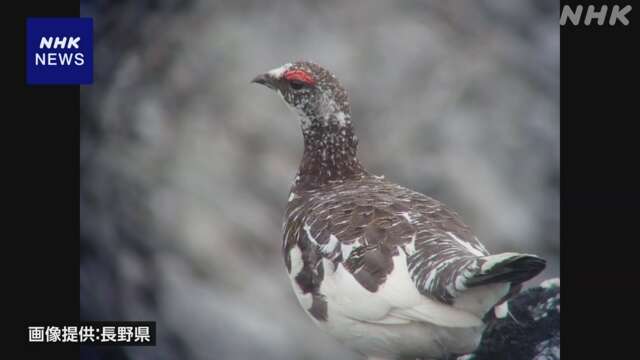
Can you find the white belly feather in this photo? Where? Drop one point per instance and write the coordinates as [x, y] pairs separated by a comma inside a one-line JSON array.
[[396, 319]]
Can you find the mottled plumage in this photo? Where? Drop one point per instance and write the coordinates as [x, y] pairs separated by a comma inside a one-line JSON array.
[[388, 271]]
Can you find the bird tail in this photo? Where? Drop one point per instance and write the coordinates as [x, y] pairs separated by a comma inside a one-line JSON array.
[[513, 268]]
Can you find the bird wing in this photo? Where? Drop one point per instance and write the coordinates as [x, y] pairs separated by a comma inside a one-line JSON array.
[[398, 254]]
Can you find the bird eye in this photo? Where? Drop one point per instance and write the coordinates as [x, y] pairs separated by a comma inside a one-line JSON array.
[[296, 84]]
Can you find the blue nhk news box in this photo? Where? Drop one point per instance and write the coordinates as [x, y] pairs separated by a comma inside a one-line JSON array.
[[59, 51]]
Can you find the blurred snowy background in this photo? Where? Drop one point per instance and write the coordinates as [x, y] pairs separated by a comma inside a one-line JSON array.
[[186, 167]]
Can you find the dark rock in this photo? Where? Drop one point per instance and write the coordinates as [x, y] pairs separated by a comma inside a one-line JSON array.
[[529, 331]]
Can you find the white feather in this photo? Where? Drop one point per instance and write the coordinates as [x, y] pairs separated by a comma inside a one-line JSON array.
[[277, 72], [331, 245], [501, 310], [307, 229], [346, 250], [466, 245], [493, 260]]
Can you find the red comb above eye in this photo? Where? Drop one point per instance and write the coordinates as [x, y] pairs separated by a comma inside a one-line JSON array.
[[299, 75]]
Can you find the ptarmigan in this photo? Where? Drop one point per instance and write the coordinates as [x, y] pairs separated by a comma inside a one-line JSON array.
[[388, 271]]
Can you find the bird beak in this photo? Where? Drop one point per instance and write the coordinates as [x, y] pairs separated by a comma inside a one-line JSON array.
[[264, 79]]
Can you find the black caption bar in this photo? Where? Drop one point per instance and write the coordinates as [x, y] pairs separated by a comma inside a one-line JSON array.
[[120, 333]]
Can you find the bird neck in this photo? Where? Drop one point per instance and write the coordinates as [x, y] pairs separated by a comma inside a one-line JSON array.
[[330, 147]]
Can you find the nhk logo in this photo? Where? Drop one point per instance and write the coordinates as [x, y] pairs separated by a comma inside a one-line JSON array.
[[59, 51], [617, 15], [57, 58]]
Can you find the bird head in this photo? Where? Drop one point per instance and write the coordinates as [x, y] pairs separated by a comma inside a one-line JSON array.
[[311, 91]]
